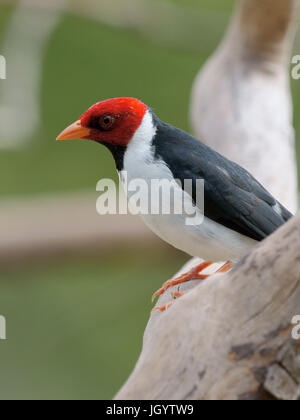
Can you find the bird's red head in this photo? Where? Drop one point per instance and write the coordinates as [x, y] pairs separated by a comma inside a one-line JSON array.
[[113, 121]]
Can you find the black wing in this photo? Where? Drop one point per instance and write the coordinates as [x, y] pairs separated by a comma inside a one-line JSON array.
[[233, 197]]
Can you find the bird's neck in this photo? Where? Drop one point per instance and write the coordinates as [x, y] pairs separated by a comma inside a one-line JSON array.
[[118, 153], [139, 150]]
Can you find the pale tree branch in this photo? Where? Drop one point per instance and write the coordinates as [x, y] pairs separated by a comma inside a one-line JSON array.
[[229, 337], [241, 101], [266, 28]]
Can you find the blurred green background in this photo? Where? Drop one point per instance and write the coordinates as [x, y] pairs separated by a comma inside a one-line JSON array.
[[75, 324]]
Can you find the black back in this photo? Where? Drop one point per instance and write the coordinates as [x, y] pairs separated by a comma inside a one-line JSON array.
[[233, 197]]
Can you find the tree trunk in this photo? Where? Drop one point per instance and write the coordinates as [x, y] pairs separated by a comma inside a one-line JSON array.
[[241, 101]]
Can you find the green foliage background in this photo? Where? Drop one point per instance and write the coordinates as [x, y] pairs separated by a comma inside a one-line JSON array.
[[75, 325]]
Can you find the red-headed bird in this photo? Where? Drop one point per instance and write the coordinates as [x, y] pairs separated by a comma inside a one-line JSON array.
[[238, 211]]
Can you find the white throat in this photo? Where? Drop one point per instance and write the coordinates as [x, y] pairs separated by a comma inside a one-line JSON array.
[[140, 161], [141, 143]]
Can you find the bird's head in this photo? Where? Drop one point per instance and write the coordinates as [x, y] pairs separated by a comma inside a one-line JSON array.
[[111, 122]]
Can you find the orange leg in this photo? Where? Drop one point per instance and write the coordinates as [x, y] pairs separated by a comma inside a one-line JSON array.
[[226, 267], [162, 308], [193, 274], [175, 295]]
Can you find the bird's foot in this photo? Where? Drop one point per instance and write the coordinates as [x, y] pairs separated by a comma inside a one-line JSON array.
[[225, 267], [193, 274], [162, 308]]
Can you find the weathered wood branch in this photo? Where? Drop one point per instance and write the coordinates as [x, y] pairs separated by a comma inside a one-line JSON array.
[[229, 337], [266, 27]]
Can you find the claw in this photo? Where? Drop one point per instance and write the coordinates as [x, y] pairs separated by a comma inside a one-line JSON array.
[[162, 308], [226, 267], [177, 294], [191, 275]]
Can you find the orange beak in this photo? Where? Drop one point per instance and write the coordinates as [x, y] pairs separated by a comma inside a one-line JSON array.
[[75, 131]]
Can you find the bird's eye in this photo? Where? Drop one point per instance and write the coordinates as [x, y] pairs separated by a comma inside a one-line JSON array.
[[106, 122]]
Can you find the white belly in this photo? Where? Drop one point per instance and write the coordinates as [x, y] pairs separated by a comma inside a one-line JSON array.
[[210, 241]]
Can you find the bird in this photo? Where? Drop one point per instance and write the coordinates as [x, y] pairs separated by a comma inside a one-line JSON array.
[[238, 211]]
